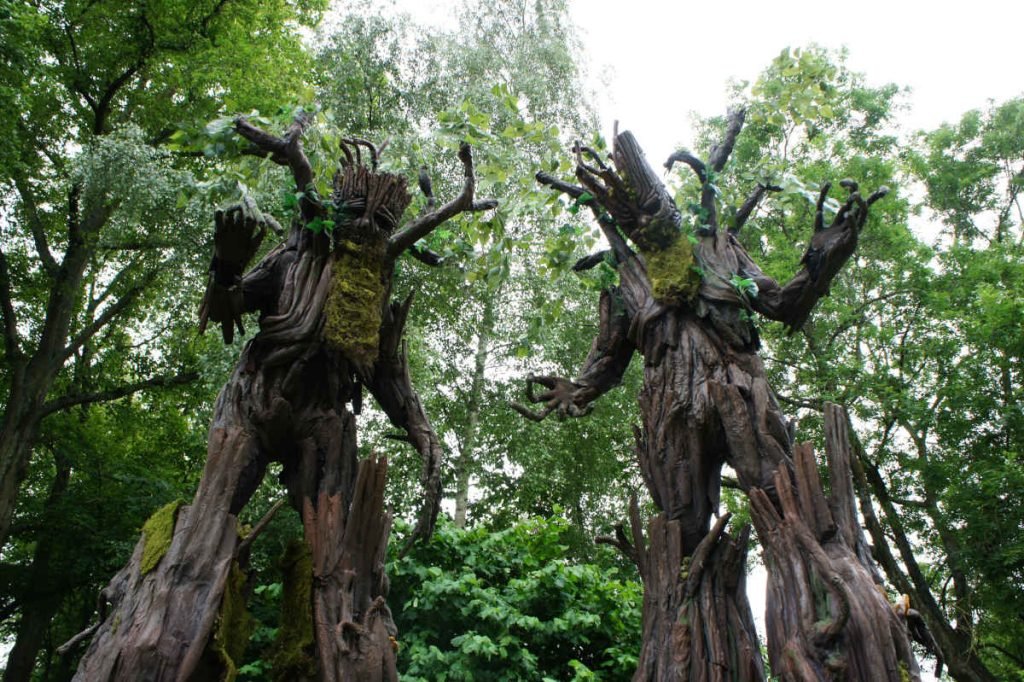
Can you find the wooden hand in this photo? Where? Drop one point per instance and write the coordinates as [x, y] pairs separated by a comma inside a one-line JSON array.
[[828, 251], [563, 397], [832, 246], [239, 230]]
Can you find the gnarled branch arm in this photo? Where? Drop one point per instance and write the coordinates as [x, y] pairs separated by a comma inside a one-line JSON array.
[[602, 371], [392, 388], [287, 151], [826, 254], [716, 161], [420, 227], [604, 220]]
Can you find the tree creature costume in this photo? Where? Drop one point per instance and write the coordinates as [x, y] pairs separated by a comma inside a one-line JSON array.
[[686, 304], [327, 330]]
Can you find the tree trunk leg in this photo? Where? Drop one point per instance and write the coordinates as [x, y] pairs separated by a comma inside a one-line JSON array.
[[347, 526], [827, 619], [159, 626], [697, 621]]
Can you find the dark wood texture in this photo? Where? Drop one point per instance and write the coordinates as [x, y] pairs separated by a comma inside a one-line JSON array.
[[710, 634], [293, 399], [705, 403], [827, 616]]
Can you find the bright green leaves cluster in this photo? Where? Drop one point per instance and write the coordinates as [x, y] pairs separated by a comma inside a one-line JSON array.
[[745, 286], [465, 122], [799, 81], [976, 466], [506, 605], [972, 167]]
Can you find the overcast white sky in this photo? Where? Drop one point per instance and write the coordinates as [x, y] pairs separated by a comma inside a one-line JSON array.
[[667, 59], [653, 62]]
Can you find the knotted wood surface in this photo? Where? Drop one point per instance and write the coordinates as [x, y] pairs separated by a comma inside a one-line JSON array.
[[827, 619], [697, 623]]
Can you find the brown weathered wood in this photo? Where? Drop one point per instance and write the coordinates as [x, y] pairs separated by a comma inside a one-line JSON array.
[[292, 399], [697, 621], [705, 402], [827, 617]]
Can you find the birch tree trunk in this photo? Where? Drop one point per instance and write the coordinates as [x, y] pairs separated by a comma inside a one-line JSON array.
[[468, 437]]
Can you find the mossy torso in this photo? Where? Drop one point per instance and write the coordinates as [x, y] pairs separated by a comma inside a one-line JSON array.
[[353, 308], [671, 272]]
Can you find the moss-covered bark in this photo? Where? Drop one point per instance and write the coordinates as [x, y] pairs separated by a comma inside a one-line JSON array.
[[352, 313], [292, 656], [234, 625], [671, 271], [157, 533]]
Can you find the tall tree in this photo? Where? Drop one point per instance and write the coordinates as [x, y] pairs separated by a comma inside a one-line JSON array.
[[95, 88], [98, 232]]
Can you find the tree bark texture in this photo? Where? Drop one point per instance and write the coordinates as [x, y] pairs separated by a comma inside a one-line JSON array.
[[827, 616], [292, 399], [39, 608], [705, 631], [685, 303]]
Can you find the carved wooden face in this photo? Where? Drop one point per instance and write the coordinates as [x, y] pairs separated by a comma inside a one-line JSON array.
[[367, 208], [368, 205]]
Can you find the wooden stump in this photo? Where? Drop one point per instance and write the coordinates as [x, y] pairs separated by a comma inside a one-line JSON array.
[[827, 617], [354, 631], [696, 618]]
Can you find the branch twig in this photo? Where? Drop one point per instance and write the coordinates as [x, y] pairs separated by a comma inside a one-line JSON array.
[[161, 381], [36, 225], [286, 151], [261, 526], [109, 313], [423, 225]]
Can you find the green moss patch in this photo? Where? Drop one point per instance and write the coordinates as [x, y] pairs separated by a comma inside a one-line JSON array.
[[671, 271], [353, 308], [292, 654], [157, 533], [234, 625]]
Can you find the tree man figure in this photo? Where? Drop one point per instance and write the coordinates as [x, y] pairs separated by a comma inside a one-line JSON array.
[[686, 303], [327, 330]]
